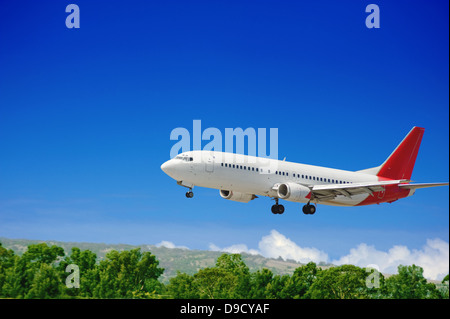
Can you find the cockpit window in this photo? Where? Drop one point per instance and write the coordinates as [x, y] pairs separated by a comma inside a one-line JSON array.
[[185, 158]]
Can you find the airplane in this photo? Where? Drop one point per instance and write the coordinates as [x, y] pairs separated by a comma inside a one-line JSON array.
[[243, 178]]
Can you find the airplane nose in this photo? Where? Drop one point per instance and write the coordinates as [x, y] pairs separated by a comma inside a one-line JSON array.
[[164, 166], [167, 167]]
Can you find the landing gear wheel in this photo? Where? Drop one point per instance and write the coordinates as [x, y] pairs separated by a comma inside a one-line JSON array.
[[309, 209], [277, 209], [189, 194]]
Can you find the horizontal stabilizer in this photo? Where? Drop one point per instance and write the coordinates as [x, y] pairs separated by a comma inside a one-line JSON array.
[[422, 185]]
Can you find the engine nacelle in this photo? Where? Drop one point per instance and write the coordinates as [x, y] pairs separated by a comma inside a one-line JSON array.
[[236, 196], [294, 192]]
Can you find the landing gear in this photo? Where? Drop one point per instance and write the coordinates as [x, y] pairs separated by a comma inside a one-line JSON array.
[[189, 194], [277, 208], [309, 209]]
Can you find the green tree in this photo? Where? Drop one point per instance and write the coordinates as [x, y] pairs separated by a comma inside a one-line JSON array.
[[88, 276], [301, 280], [127, 274], [259, 282], [276, 288], [342, 282], [230, 278], [378, 283], [23, 276], [409, 283], [46, 283], [7, 262], [182, 287], [214, 283], [234, 265], [42, 253], [444, 288]]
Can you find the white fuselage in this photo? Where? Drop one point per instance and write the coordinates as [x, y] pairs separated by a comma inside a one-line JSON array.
[[254, 175]]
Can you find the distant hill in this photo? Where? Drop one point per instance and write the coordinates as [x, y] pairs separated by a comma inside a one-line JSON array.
[[173, 260]]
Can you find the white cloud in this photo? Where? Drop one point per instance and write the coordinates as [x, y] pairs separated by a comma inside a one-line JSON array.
[[169, 244], [235, 249], [433, 258], [277, 245]]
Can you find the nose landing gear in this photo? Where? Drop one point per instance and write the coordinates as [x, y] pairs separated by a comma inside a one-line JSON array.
[[189, 194]]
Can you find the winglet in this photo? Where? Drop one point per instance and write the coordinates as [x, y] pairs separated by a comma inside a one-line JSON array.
[[400, 163]]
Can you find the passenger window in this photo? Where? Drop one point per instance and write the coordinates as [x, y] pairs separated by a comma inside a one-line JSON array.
[[253, 169], [221, 164]]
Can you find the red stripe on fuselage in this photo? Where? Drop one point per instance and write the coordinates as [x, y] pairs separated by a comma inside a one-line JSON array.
[[390, 194]]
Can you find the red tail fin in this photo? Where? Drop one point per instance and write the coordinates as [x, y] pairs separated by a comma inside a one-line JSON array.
[[400, 163]]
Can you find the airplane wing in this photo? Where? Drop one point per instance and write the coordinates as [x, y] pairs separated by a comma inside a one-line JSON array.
[[329, 192]]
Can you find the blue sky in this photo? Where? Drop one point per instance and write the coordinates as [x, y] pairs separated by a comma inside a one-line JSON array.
[[86, 116]]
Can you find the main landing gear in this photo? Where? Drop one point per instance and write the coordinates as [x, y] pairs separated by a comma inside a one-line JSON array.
[[309, 209], [277, 208]]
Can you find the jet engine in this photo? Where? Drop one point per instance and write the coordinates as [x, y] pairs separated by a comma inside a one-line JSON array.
[[294, 192], [236, 196]]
